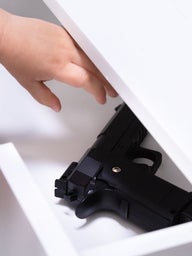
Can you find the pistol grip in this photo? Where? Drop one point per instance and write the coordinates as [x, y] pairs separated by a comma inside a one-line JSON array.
[[102, 200]]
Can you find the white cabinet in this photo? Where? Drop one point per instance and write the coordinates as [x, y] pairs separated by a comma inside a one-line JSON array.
[[43, 143]]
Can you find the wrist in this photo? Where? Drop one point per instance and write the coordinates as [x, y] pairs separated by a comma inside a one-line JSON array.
[[4, 18]]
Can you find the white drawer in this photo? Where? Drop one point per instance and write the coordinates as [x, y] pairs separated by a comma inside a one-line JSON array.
[[33, 222]]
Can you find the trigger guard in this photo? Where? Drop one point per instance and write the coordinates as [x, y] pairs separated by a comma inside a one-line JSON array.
[[102, 200], [152, 155]]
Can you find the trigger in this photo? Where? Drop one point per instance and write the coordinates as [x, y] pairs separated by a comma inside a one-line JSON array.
[[106, 199]]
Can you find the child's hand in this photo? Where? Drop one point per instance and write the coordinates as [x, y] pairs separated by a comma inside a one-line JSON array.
[[35, 51]]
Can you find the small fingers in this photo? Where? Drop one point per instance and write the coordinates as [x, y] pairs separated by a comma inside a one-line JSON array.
[[110, 90], [43, 95], [77, 76], [81, 59]]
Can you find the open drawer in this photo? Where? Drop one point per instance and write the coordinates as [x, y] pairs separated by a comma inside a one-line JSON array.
[[33, 221]]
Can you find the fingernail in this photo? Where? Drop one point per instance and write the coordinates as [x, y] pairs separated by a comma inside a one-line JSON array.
[[56, 108], [113, 94], [101, 100]]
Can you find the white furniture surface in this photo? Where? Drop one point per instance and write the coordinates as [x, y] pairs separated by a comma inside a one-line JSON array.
[[144, 49], [43, 144]]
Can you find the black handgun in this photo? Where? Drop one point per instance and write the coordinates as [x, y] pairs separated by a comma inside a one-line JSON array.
[[109, 177]]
